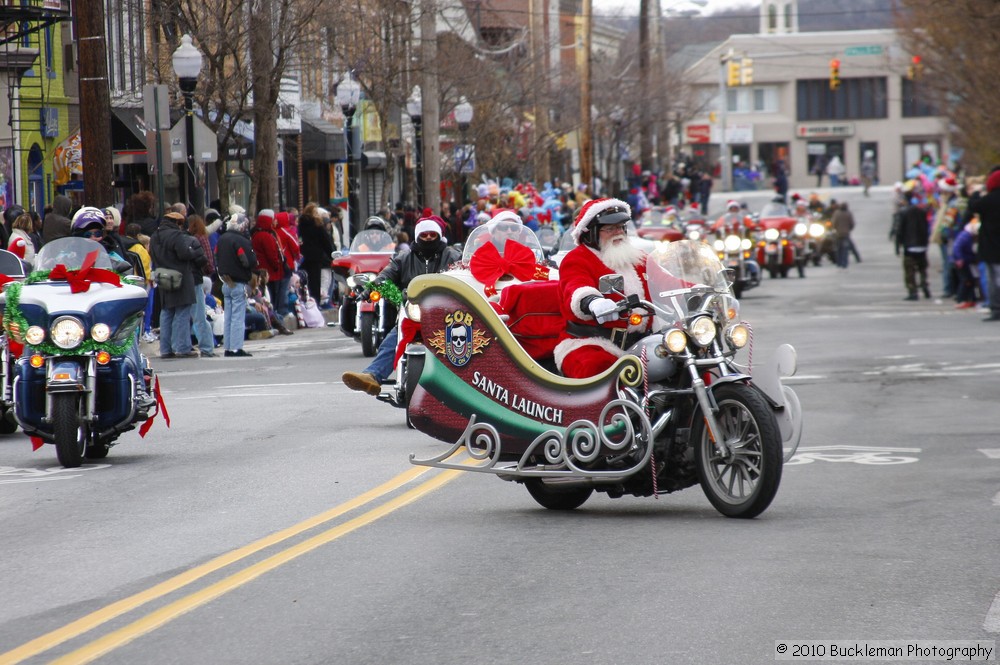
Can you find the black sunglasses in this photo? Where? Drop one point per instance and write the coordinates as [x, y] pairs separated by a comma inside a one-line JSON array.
[[96, 233]]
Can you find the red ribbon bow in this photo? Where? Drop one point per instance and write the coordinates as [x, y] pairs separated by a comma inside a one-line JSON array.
[[488, 265], [80, 280]]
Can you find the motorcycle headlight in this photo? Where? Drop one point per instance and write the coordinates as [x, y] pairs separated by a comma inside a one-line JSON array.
[[100, 332], [738, 336], [67, 332], [413, 311], [771, 234], [816, 229], [702, 330], [733, 243], [35, 335], [746, 244], [801, 229], [694, 235], [675, 340]]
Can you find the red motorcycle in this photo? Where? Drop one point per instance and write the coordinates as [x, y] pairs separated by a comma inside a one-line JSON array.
[[779, 247], [368, 319]]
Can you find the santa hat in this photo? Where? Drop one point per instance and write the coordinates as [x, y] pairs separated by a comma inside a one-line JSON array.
[[948, 184], [426, 225], [264, 216], [507, 216], [670, 210], [732, 204], [591, 209]]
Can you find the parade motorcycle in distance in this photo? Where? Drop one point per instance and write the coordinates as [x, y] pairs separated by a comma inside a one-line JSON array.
[[11, 269], [366, 320], [78, 381], [736, 253], [548, 239], [674, 412], [782, 243]]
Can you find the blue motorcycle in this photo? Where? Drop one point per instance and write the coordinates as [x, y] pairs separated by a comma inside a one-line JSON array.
[[79, 380]]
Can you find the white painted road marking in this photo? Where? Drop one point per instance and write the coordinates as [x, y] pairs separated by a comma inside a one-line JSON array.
[[992, 622], [868, 455], [10, 475], [992, 453]]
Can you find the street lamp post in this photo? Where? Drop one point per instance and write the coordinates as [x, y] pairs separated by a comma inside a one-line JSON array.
[[414, 108], [348, 97], [463, 116], [187, 66], [618, 118]]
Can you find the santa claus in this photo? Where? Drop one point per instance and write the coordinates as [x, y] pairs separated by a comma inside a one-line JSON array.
[[596, 334]]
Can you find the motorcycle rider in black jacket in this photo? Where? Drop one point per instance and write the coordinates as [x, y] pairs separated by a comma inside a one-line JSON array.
[[429, 253]]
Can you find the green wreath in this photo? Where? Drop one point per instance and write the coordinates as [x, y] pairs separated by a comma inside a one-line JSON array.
[[389, 291], [16, 325]]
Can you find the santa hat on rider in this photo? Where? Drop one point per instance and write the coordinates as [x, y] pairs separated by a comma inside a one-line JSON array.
[[593, 214]]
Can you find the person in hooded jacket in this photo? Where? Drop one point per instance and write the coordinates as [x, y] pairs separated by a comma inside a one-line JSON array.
[[428, 254], [292, 254], [170, 247], [988, 209], [56, 224], [235, 261], [269, 257]]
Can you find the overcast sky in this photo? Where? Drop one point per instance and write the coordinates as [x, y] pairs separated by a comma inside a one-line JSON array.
[[632, 6]]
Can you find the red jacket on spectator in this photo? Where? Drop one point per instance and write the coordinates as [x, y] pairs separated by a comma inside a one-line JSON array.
[[265, 246]]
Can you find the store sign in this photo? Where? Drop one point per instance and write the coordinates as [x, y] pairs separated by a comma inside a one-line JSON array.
[[699, 133], [825, 131], [338, 181], [873, 49], [739, 132]]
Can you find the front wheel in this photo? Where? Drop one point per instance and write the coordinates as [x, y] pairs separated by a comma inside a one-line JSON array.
[[554, 497], [347, 312], [67, 430], [369, 336], [745, 484]]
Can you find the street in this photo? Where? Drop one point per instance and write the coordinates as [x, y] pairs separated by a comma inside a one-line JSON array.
[[279, 521]]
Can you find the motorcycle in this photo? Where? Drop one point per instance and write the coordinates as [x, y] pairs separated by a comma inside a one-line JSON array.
[[548, 239], [11, 269], [736, 253], [675, 411], [366, 319], [79, 380]]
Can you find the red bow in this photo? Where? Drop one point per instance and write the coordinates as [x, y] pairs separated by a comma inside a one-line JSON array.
[[488, 265], [6, 279], [80, 280]]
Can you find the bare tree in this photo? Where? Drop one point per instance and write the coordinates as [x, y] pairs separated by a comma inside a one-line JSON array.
[[953, 41]]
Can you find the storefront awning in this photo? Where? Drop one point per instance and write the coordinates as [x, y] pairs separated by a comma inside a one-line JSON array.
[[322, 141]]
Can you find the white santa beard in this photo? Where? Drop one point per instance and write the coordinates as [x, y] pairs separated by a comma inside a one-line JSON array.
[[621, 256]]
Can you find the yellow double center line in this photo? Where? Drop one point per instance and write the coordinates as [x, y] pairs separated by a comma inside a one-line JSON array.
[[164, 615]]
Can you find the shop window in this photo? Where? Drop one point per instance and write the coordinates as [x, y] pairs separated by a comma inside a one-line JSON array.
[[857, 99]]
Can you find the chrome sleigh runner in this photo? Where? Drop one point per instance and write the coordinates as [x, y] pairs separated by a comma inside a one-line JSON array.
[[674, 412]]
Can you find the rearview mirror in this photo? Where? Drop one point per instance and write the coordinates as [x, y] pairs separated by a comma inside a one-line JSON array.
[[611, 284]]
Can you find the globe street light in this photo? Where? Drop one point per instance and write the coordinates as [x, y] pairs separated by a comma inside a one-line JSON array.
[[463, 116], [414, 108], [187, 66], [348, 96]]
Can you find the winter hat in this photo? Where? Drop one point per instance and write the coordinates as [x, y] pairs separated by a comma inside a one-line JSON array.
[[236, 209], [238, 222], [114, 217], [993, 182], [594, 208], [427, 225], [732, 204], [265, 215], [282, 218], [175, 216], [507, 216], [670, 210], [211, 214], [948, 184]]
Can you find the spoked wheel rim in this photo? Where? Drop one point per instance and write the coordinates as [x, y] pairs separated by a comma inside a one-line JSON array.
[[736, 477]]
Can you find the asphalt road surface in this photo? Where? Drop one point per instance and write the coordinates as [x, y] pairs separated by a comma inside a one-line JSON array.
[[279, 521]]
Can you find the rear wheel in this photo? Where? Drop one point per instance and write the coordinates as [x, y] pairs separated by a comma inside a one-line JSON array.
[[744, 484], [554, 497], [67, 429], [369, 336], [7, 423]]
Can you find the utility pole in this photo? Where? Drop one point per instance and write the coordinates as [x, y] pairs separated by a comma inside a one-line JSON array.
[[586, 158], [645, 126], [540, 88], [431, 115], [95, 106], [726, 164]]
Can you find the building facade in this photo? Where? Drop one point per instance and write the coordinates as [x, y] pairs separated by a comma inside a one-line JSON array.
[[785, 105]]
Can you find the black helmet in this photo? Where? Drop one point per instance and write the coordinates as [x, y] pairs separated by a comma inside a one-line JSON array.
[[616, 213], [375, 222]]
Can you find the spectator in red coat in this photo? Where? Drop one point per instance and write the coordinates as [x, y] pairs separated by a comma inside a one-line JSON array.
[[268, 251]]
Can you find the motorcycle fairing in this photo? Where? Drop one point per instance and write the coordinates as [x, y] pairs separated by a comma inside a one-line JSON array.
[[500, 386]]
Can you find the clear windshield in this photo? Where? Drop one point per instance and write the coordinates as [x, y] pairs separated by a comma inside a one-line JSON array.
[[566, 242], [373, 241], [547, 236], [499, 233], [774, 209], [683, 276], [71, 252]]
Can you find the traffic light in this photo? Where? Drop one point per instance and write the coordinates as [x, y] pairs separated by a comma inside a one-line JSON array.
[[915, 69], [746, 71], [834, 74], [733, 73]]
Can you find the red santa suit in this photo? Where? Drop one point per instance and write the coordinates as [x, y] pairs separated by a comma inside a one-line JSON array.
[[586, 347]]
